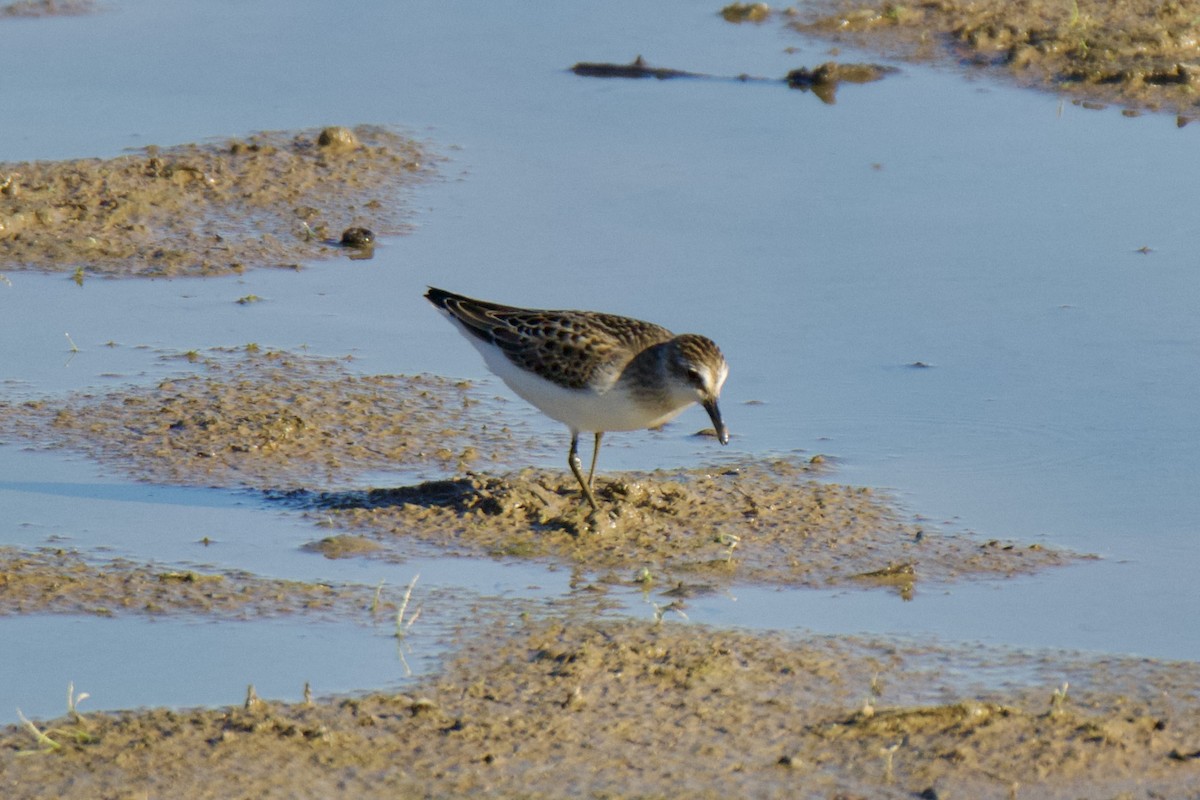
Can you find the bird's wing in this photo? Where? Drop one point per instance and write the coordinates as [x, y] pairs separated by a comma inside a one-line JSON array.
[[565, 347]]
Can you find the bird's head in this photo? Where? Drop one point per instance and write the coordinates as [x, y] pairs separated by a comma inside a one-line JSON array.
[[698, 367]]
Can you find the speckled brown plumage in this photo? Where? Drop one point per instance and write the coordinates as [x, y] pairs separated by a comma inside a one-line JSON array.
[[592, 371], [566, 347]]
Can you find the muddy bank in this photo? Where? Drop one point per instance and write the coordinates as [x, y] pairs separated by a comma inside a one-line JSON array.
[[1141, 54], [47, 8], [65, 582], [565, 708], [271, 199], [682, 530], [267, 419], [294, 424]]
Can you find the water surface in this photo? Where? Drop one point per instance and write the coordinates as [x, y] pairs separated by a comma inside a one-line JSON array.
[[988, 232]]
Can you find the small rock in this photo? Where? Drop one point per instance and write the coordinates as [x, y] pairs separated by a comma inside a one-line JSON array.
[[335, 137], [746, 12], [358, 237]]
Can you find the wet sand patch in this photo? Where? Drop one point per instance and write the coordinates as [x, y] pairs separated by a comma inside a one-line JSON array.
[[751, 522], [1141, 54], [271, 199], [47, 8], [289, 423], [65, 582], [343, 545], [602, 708], [267, 419]]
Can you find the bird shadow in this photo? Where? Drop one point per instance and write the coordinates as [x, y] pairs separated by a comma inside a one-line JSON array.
[[529, 501], [457, 494]]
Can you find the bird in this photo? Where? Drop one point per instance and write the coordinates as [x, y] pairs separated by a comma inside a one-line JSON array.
[[591, 371]]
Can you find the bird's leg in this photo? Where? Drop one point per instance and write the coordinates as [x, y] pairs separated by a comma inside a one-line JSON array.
[[595, 452], [577, 468]]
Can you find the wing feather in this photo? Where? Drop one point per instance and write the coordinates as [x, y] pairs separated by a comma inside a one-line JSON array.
[[570, 348]]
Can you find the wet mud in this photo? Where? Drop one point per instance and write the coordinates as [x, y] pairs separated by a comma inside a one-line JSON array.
[[823, 80], [1141, 54], [67, 582], [267, 419], [271, 199], [577, 705], [746, 12], [602, 708], [301, 426], [683, 530], [47, 8]]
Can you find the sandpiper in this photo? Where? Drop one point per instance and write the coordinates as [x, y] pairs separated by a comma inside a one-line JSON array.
[[590, 371]]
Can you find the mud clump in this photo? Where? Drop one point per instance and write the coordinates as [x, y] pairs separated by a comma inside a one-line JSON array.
[[754, 522], [337, 138], [361, 238], [565, 708], [343, 546], [47, 8], [746, 12], [65, 582], [1141, 54], [271, 199], [823, 81], [266, 419]]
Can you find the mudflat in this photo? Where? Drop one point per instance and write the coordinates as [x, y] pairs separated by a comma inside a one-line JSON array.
[[555, 704], [1140, 54], [271, 199], [569, 707]]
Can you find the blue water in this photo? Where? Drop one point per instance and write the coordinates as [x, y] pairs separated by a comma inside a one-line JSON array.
[[989, 232]]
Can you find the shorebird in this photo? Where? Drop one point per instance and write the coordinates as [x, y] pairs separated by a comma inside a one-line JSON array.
[[593, 372]]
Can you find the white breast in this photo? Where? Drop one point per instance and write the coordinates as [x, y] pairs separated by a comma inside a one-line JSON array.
[[581, 410]]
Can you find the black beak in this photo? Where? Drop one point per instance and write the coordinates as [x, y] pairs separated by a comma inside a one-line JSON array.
[[714, 414]]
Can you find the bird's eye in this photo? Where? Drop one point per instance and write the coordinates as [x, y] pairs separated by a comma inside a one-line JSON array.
[[694, 377]]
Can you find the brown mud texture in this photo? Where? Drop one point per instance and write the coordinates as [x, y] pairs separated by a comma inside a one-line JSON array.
[[285, 422], [271, 199], [54, 580], [265, 419], [685, 531], [1142, 54], [47, 8], [614, 709]]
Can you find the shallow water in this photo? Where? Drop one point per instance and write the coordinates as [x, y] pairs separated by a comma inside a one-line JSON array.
[[988, 232]]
